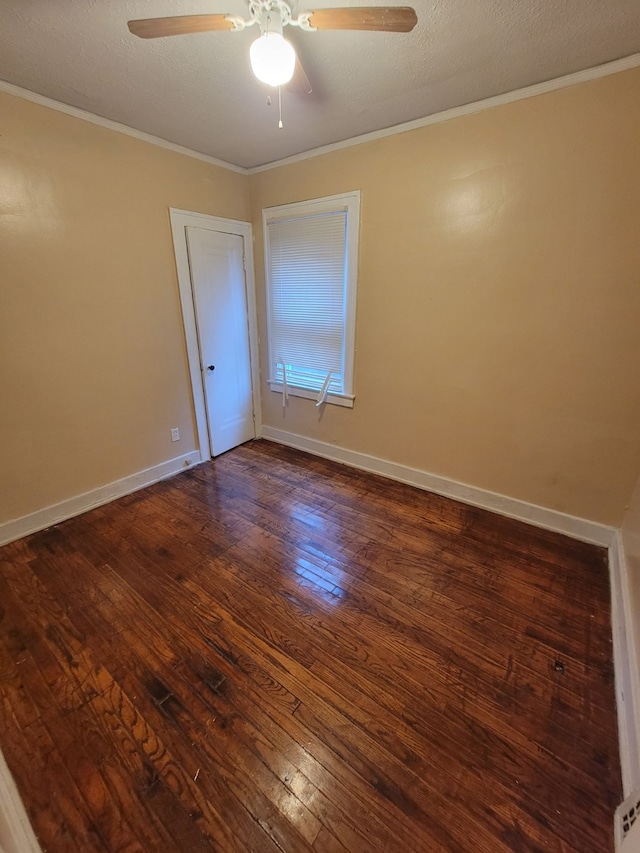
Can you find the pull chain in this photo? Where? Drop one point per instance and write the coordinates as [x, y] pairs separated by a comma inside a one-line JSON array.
[[280, 125]]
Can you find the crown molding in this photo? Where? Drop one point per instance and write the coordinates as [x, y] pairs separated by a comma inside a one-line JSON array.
[[26, 95], [585, 76]]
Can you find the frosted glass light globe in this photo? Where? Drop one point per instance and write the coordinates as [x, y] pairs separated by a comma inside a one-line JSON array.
[[272, 59]]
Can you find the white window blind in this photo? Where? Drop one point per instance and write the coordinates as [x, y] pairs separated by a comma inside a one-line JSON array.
[[307, 262], [311, 265]]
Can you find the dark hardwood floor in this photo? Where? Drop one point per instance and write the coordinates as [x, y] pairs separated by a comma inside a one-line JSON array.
[[272, 652]]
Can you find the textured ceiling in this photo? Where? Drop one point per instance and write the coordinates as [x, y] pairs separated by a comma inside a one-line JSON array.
[[198, 90]]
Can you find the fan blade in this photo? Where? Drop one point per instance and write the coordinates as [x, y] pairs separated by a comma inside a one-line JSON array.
[[180, 25], [299, 83], [390, 19]]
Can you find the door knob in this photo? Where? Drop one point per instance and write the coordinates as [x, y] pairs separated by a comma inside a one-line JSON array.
[[211, 367]]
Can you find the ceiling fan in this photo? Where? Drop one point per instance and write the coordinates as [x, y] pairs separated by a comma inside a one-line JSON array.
[[273, 59]]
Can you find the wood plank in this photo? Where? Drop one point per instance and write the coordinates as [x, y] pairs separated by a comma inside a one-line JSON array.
[[132, 609], [275, 652], [138, 576], [215, 793], [56, 699]]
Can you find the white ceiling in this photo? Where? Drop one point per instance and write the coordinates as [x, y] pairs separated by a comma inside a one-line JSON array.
[[198, 90]]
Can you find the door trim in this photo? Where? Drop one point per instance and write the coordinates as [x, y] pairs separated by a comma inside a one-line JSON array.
[[180, 220]]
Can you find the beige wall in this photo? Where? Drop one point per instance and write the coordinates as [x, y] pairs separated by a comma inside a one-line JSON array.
[[498, 300], [92, 361]]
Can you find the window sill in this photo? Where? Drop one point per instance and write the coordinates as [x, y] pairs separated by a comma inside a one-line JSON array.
[[345, 400]]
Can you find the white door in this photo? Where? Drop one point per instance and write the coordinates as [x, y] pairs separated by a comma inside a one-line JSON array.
[[220, 302]]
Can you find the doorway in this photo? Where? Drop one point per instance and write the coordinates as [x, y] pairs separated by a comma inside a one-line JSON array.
[[214, 260]]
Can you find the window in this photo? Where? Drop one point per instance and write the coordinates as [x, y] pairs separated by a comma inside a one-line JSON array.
[[311, 258]]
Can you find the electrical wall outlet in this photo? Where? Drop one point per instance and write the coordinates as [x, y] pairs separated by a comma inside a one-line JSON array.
[[627, 824], [175, 434]]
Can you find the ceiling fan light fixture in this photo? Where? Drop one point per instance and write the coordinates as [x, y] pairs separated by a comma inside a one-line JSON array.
[[273, 59]]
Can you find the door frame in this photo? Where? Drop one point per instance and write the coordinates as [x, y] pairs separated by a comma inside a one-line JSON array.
[[180, 220]]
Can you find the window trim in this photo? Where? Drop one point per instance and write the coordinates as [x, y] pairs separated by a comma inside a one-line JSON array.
[[350, 202]]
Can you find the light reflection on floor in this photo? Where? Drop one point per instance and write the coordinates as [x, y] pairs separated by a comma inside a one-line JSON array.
[[328, 582], [316, 571], [308, 516]]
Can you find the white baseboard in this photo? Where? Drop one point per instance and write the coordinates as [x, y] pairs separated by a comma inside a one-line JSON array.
[[625, 659], [19, 527], [16, 835], [549, 519]]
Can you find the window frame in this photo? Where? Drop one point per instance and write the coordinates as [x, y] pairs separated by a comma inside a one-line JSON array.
[[349, 202]]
